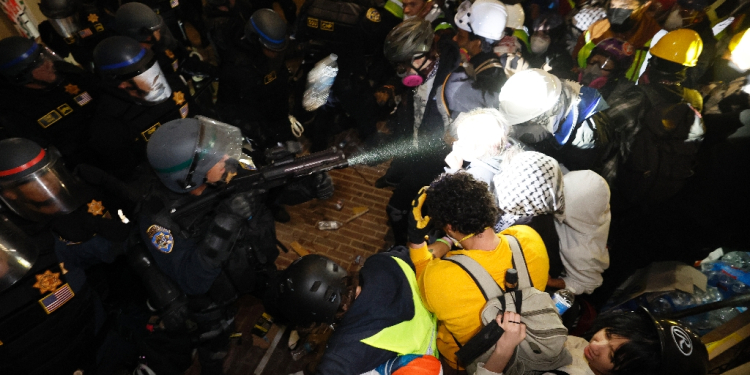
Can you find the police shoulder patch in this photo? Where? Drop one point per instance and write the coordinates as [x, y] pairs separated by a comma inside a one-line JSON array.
[[161, 238], [373, 15]]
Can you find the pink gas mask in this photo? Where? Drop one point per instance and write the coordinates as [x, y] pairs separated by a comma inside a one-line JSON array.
[[407, 72]]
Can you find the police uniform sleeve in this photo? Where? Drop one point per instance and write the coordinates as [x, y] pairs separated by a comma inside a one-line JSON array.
[[178, 258]]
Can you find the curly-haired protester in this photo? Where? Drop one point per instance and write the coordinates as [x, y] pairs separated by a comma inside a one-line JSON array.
[[465, 209]]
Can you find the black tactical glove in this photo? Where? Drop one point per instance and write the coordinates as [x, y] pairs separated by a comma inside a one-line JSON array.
[[174, 317], [239, 205], [90, 174], [419, 226], [323, 186]]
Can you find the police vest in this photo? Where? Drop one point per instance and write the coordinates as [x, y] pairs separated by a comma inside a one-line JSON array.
[[336, 21], [415, 336]]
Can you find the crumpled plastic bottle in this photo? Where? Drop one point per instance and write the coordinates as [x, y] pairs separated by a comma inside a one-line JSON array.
[[319, 82], [737, 259]]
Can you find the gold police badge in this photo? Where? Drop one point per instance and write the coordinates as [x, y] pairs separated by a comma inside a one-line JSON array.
[[48, 281], [373, 15]]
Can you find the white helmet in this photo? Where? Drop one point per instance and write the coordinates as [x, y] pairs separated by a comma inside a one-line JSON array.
[[516, 16], [528, 94], [485, 18]]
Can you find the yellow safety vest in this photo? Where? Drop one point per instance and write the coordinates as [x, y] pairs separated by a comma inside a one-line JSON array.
[[415, 336], [395, 7]]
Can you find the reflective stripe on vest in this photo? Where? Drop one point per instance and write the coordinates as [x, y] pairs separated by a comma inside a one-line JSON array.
[[634, 71], [395, 7], [415, 336], [585, 52]]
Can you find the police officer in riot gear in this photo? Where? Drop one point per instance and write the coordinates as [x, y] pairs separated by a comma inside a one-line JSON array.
[[139, 98], [45, 99], [254, 93], [75, 28], [138, 21], [47, 311], [213, 253]]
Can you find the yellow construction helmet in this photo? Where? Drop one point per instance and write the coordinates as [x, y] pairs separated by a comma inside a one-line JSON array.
[[682, 46]]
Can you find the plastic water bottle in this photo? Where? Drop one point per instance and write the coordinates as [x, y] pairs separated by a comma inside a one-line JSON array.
[[329, 225], [563, 299], [319, 82]]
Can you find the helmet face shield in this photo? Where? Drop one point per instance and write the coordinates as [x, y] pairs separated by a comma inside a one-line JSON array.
[[217, 153], [66, 27], [51, 190], [17, 254], [149, 87]]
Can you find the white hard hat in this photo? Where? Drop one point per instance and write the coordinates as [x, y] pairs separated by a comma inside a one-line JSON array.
[[516, 16], [528, 94], [485, 18]]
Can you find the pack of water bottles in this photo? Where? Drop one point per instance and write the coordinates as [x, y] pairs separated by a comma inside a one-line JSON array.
[[728, 275]]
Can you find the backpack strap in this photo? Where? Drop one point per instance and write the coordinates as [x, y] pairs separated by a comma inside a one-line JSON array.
[[442, 94], [524, 278], [487, 285], [490, 63]]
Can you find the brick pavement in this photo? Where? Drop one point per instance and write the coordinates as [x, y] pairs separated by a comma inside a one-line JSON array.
[[363, 237]]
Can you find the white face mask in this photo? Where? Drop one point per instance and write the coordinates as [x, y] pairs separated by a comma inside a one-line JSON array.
[[674, 20], [408, 17], [539, 43], [153, 85]]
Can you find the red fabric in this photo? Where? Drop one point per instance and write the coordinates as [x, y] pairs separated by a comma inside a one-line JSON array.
[[425, 365]]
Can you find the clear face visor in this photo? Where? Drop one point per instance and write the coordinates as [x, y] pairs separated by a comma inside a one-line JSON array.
[[17, 254], [149, 87], [217, 143], [162, 35], [67, 27], [51, 190]]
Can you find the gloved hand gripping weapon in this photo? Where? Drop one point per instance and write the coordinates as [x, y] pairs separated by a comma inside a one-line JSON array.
[[278, 173]]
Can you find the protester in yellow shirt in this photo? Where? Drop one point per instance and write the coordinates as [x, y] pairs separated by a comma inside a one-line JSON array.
[[466, 210]]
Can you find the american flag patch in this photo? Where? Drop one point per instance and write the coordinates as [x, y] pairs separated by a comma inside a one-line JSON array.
[[184, 110], [83, 99], [53, 301], [85, 32]]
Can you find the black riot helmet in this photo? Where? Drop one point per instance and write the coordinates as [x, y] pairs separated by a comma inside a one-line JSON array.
[[682, 352], [269, 28], [182, 151], [18, 253], [62, 16], [137, 21], [58, 8], [310, 290], [18, 57], [34, 182], [123, 62]]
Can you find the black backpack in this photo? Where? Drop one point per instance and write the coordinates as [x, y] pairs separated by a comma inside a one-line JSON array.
[[663, 152]]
